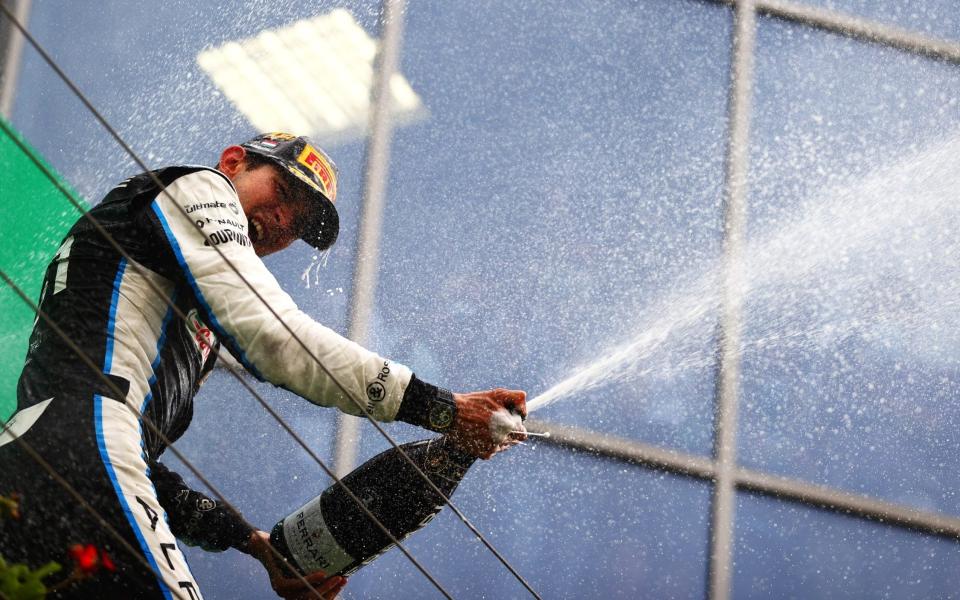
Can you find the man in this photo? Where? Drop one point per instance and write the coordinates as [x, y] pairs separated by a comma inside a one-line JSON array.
[[198, 242]]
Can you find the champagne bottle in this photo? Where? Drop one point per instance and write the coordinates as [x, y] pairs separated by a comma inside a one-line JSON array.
[[331, 533]]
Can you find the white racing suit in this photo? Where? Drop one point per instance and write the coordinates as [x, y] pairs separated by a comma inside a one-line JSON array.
[[151, 361]]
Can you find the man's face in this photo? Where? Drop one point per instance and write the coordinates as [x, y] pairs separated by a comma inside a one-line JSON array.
[[275, 208]]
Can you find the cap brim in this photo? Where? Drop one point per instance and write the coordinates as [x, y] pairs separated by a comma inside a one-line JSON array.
[[323, 226]]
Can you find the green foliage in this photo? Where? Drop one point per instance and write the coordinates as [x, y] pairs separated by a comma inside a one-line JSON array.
[[19, 582]]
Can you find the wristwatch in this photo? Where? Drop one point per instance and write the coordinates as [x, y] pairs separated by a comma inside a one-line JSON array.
[[442, 412], [428, 406]]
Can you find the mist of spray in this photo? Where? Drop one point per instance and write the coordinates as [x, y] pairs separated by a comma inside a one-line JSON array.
[[311, 275], [878, 258]]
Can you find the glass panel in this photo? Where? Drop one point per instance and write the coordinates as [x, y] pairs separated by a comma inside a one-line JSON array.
[[561, 202], [937, 18], [790, 551], [850, 371]]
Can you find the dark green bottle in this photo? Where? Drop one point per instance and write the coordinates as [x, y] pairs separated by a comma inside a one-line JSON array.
[[331, 533]]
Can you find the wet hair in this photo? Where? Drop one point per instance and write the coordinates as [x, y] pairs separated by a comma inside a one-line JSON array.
[[297, 188], [255, 161]]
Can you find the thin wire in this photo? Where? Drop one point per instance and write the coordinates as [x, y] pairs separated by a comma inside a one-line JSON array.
[[119, 394], [49, 60], [237, 375]]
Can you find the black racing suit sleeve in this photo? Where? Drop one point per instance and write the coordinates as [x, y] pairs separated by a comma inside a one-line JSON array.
[[419, 398], [194, 518]]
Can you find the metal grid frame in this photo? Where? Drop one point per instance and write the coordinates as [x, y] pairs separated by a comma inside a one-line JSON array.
[[11, 49], [375, 173], [727, 476], [722, 470]]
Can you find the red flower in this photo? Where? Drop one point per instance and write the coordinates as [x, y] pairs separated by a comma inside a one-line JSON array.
[[86, 557], [89, 559]]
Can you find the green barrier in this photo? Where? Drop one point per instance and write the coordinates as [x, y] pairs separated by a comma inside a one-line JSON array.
[[34, 217]]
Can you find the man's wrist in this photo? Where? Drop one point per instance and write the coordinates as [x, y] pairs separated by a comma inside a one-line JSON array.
[[427, 406]]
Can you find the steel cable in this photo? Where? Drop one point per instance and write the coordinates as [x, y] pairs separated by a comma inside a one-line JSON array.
[[50, 176], [138, 555], [360, 405], [119, 394]]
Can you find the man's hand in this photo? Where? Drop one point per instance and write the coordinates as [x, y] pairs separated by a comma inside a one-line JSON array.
[[472, 431], [284, 583]]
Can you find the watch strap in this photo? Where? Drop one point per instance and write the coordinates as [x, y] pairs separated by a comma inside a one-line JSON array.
[[427, 406]]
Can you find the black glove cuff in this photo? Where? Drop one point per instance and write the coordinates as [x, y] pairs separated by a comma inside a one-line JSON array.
[[427, 406]]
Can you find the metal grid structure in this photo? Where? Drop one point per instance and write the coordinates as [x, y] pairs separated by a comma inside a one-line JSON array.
[[375, 172], [11, 49], [722, 469], [727, 476]]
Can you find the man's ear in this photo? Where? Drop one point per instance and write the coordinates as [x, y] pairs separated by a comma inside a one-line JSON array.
[[232, 160]]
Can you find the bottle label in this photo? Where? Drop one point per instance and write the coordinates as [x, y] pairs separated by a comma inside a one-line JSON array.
[[311, 544]]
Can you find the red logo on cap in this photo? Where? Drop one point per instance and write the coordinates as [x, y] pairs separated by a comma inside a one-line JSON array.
[[316, 162]]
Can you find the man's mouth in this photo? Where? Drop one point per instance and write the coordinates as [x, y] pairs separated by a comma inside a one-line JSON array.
[[256, 231]]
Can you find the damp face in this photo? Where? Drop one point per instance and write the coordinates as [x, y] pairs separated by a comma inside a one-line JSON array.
[[874, 260]]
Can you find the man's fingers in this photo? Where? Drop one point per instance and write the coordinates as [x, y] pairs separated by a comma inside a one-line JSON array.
[[474, 429], [288, 586], [340, 583], [328, 591], [515, 400], [484, 449], [518, 436], [324, 584], [330, 587], [519, 399], [292, 587]]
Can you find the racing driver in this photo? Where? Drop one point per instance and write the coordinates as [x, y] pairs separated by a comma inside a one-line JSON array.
[[152, 319]]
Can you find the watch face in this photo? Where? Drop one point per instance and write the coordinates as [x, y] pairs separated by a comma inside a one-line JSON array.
[[441, 416]]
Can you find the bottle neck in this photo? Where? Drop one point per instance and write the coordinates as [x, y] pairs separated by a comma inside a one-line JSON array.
[[445, 461]]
